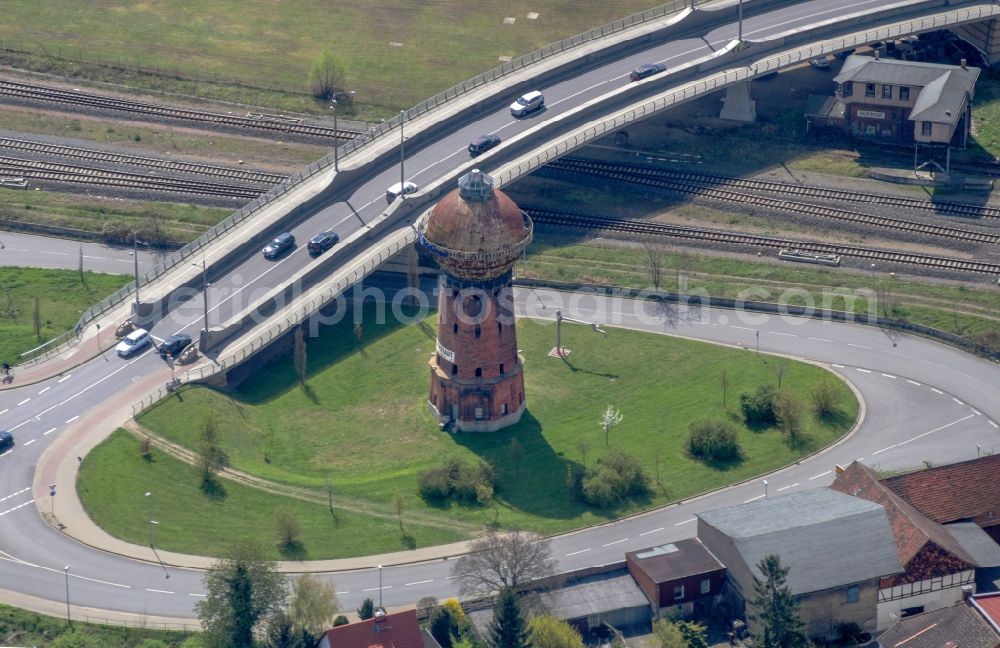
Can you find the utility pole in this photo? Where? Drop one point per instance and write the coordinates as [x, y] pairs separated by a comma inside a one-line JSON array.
[[402, 175]]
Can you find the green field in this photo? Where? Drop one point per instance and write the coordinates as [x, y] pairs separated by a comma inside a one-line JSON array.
[[363, 424], [395, 54], [59, 309], [22, 628]]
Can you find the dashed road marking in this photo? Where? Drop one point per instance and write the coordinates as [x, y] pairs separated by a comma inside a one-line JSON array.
[[889, 376], [372, 589], [615, 542], [913, 382], [16, 493], [44, 390], [753, 499], [573, 553], [66, 377], [861, 346], [837, 366], [957, 401], [862, 370], [47, 432], [787, 487], [430, 580], [821, 340], [11, 510], [686, 522], [28, 443], [780, 333], [2, 412], [653, 531], [24, 401], [159, 591], [994, 425], [72, 419], [920, 436], [824, 474], [743, 328], [204, 595], [937, 391], [977, 412]]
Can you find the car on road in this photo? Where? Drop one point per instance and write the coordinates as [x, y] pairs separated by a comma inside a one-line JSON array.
[[279, 245], [6, 440], [174, 344], [483, 143], [400, 189], [133, 343], [527, 104], [647, 70], [323, 242], [820, 62]]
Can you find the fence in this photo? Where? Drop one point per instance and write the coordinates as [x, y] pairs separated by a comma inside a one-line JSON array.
[[729, 77], [316, 299]]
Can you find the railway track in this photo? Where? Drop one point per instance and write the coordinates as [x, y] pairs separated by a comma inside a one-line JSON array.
[[258, 121], [566, 219], [949, 208], [44, 148], [784, 205], [34, 170]]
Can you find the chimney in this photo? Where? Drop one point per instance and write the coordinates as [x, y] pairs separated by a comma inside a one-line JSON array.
[[876, 55], [967, 592], [962, 63]]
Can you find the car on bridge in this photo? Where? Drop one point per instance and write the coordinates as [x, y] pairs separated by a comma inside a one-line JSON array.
[[6, 440], [483, 143], [133, 343], [322, 242], [646, 70], [400, 189], [174, 344], [527, 104], [279, 245]]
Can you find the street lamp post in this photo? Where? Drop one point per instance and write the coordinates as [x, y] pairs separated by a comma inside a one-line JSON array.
[[380, 585], [336, 145], [204, 288], [66, 571], [765, 488], [135, 259], [739, 37], [402, 176], [149, 518]]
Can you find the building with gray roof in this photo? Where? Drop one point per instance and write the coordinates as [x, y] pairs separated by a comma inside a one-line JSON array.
[[836, 548]]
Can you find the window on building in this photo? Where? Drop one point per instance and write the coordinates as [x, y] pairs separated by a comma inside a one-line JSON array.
[[869, 89], [926, 128], [454, 370], [678, 592], [503, 410], [478, 331], [499, 328], [853, 592], [904, 94], [887, 92], [479, 372], [706, 586], [454, 329], [501, 367], [479, 412], [847, 89]]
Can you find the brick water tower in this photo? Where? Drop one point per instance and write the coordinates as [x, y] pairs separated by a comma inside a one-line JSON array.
[[476, 234]]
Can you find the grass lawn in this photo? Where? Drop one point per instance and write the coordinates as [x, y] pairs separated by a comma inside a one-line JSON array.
[[59, 308], [364, 425], [395, 54], [22, 628]]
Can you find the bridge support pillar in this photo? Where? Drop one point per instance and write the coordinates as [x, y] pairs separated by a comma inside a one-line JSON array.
[[984, 36], [738, 106], [412, 275]]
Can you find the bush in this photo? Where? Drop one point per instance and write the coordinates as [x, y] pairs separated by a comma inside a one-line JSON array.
[[340, 620], [758, 405], [714, 441], [825, 398], [367, 609], [459, 481], [616, 477], [788, 411]]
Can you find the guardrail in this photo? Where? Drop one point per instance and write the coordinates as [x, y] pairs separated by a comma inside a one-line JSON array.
[[53, 347], [372, 134], [722, 80]]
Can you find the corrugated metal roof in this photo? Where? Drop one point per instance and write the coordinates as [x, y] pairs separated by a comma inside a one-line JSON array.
[[594, 595], [825, 538]]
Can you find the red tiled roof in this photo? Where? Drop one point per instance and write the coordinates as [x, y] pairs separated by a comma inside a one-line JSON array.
[[967, 489], [912, 529], [989, 606], [397, 630]]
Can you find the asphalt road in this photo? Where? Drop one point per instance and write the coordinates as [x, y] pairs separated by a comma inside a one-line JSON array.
[[925, 401], [29, 250]]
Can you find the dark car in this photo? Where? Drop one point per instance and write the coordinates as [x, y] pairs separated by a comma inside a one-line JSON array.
[[279, 245], [483, 143], [6, 440], [322, 242], [646, 70], [174, 344]]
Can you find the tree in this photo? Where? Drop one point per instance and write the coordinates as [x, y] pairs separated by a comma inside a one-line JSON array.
[[609, 420], [242, 592], [282, 634], [449, 625], [313, 605], [789, 411], [583, 447], [668, 634], [288, 530], [326, 74], [825, 398], [694, 634], [211, 458], [724, 383], [399, 502], [616, 477], [775, 609], [550, 632], [367, 609], [508, 628], [502, 561], [515, 452], [713, 441], [758, 405], [655, 251], [781, 370], [299, 359], [36, 319]]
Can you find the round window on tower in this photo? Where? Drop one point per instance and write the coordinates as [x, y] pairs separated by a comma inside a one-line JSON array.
[[473, 306]]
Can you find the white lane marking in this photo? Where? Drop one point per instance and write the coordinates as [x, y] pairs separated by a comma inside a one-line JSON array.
[[345, 592], [686, 522], [913, 382], [920, 436], [204, 595], [159, 591], [787, 487], [9, 558], [429, 580], [753, 499], [66, 377], [821, 340], [889, 376], [937, 391], [743, 328], [615, 542], [994, 424], [44, 390], [72, 419], [861, 346], [780, 333], [11, 510], [28, 443], [573, 553], [957, 401], [23, 402], [47, 432], [977, 412], [2, 412], [653, 531], [373, 589], [15, 494], [837, 366], [862, 370], [824, 474]]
